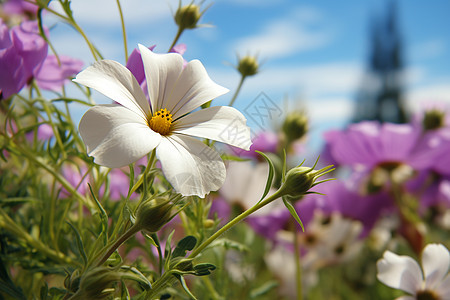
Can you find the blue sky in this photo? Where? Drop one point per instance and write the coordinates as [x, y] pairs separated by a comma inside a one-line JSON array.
[[314, 53]]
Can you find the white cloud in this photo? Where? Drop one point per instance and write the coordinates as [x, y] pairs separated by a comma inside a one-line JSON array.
[[105, 12], [291, 34]]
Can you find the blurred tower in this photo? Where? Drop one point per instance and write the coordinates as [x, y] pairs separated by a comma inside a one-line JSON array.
[[379, 97]]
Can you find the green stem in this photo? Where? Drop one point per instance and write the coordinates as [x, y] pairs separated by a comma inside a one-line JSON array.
[[238, 89], [233, 222], [166, 278], [124, 33], [298, 267], [124, 237], [175, 40]]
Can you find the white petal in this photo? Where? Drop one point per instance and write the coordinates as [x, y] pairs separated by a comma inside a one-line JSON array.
[[444, 288], [406, 297], [399, 272], [190, 166], [162, 72], [220, 123], [435, 263], [116, 82], [116, 136], [193, 88]]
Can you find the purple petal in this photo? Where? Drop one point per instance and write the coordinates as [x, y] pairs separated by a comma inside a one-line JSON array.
[[29, 45], [53, 74]]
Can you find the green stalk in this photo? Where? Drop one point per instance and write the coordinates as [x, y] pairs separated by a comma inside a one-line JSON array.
[[177, 37], [298, 267], [233, 222], [166, 278], [238, 89], [122, 239], [124, 33]]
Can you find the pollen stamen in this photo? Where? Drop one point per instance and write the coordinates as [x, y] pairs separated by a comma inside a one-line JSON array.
[[161, 121]]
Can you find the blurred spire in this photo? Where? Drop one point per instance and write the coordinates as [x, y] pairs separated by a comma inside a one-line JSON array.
[[380, 95]]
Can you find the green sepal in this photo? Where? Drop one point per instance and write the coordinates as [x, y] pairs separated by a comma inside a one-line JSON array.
[[291, 209], [270, 177]]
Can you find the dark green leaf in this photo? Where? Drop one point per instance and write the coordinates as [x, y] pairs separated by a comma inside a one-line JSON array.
[[186, 244]]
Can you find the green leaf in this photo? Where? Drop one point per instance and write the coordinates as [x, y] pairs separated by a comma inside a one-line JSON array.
[[291, 209], [204, 269], [44, 291], [184, 285], [79, 244], [270, 177], [103, 217], [186, 244], [229, 244], [262, 290], [137, 276]]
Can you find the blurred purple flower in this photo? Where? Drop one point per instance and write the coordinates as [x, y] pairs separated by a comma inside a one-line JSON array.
[[342, 198], [269, 225], [118, 185], [20, 7], [265, 141], [368, 144], [53, 74], [45, 132], [22, 53]]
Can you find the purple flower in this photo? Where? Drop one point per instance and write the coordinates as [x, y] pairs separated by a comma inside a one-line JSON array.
[[23, 52], [269, 225], [20, 7], [344, 199], [53, 74], [368, 144], [265, 141]]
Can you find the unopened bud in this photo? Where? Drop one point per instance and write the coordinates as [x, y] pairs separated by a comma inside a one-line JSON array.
[[188, 16], [433, 119], [153, 214], [97, 283], [299, 180], [248, 66], [208, 223], [295, 126]]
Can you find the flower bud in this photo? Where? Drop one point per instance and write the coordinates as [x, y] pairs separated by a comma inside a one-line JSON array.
[[153, 214], [188, 16], [433, 119], [299, 180], [295, 126], [97, 283], [248, 66]]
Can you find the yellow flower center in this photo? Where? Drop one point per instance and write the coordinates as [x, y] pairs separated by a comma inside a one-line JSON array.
[[161, 121]]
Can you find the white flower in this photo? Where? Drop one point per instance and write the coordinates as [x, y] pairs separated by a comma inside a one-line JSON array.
[[119, 134], [245, 184], [404, 273]]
